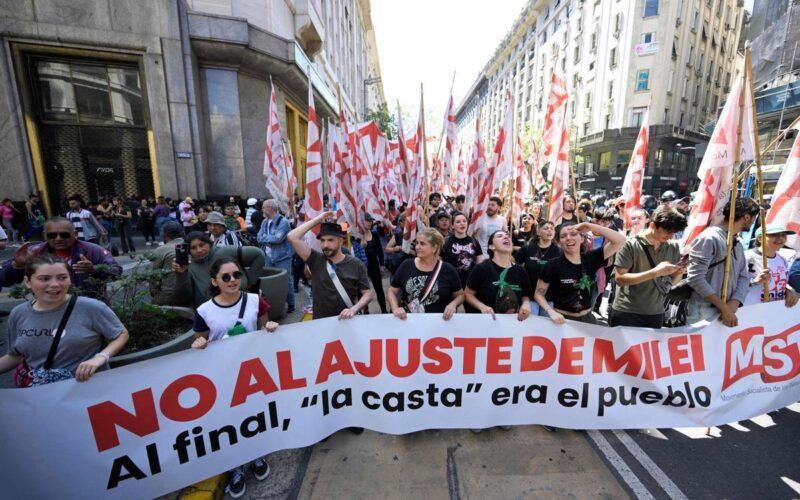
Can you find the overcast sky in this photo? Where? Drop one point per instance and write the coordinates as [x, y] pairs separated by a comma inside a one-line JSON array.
[[426, 41]]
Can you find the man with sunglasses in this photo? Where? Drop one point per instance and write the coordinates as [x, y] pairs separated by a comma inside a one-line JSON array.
[[340, 283], [91, 265]]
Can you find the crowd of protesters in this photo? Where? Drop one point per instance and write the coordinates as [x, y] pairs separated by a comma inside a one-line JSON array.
[[213, 254]]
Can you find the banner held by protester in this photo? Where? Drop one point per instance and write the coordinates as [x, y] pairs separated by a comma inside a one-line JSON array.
[[150, 428]]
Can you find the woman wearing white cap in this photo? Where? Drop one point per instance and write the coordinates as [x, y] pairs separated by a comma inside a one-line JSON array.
[[777, 273]]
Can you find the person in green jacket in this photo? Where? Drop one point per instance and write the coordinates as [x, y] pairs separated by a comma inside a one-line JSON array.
[[192, 281]]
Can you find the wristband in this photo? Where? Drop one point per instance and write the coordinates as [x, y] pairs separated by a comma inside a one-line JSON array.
[[104, 355]]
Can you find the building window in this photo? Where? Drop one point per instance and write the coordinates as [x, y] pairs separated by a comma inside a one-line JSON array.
[[637, 114], [643, 80], [611, 89], [605, 161], [588, 101], [675, 48], [613, 57], [649, 37], [670, 82], [650, 8], [576, 55]]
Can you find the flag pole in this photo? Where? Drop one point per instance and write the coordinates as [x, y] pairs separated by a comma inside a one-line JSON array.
[[424, 154], [777, 140], [513, 185], [759, 174], [734, 190]]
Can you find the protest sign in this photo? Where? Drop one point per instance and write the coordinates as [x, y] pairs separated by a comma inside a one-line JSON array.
[[147, 429]]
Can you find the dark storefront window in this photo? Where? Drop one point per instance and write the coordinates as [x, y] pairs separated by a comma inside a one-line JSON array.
[[91, 120]]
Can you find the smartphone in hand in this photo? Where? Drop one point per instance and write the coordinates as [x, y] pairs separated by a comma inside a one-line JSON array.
[[182, 254]]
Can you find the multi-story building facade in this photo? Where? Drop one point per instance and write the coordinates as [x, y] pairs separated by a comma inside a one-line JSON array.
[[677, 58], [170, 97]]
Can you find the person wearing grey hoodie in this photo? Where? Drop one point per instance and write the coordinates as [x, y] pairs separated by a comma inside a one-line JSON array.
[[706, 270]]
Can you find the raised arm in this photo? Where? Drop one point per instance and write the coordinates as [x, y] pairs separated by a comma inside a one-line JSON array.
[[614, 238], [295, 236]]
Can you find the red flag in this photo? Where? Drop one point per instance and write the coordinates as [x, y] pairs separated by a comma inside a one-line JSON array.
[[536, 168], [717, 168], [313, 201], [522, 184], [554, 121], [785, 208], [476, 171], [417, 187], [276, 169], [634, 177], [500, 158]]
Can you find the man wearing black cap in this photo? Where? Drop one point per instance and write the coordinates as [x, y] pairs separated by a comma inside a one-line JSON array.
[[340, 283]]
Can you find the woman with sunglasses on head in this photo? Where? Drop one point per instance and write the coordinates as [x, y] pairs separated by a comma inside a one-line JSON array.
[[91, 332], [230, 312]]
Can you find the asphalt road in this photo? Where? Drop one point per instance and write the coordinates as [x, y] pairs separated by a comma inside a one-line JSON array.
[[756, 458]]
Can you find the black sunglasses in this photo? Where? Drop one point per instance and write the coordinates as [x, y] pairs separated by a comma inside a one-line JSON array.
[[63, 235], [237, 275]]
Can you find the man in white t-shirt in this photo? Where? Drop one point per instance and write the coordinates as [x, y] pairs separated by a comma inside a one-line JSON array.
[[490, 222], [777, 274]]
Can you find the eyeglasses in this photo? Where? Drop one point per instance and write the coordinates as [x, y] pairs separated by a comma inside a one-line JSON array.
[[236, 275], [63, 235]]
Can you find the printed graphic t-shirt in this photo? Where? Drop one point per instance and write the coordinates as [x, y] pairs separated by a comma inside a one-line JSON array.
[[412, 283], [572, 283]]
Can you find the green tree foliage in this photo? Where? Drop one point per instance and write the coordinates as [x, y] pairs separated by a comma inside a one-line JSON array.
[[385, 120]]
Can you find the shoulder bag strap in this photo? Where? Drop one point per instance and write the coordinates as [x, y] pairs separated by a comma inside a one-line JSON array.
[[242, 307], [647, 253], [431, 280], [59, 331], [338, 283]]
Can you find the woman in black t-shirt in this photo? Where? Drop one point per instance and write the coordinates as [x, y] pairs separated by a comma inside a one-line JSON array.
[[533, 258], [573, 275], [498, 285], [460, 250], [425, 283], [524, 234]]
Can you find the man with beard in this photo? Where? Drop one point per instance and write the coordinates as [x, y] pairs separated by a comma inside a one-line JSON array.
[[340, 283], [490, 222]]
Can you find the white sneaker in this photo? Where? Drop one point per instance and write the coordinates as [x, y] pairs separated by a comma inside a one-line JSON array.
[[147, 243], [161, 243]]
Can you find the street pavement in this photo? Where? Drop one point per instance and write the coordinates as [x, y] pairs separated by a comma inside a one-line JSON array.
[[753, 459]]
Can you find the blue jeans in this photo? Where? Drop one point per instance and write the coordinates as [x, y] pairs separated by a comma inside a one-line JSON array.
[[286, 265], [160, 227], [538, 311]]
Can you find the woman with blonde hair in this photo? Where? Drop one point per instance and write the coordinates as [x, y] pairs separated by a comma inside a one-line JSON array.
[[425, 284]]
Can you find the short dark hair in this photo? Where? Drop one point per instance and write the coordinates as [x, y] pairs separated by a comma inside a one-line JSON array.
[[560, 227], [461, 198], [456, 214], [669, 219], [744, 206], [198, 235], [497, 200], [76, 197], [434, 195]]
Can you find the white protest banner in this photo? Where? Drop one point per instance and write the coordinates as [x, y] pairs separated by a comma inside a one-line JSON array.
[[147, 429]]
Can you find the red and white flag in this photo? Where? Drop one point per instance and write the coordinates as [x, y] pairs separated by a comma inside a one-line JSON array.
[[417, 183], [522, 184], [634, 177], [276, 168], [559, 167], [785, 206], [554, 122], [501, 161], [476, 172], [719, 161], [501, 158], [536, 168], [313, 202], [450, 136]]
